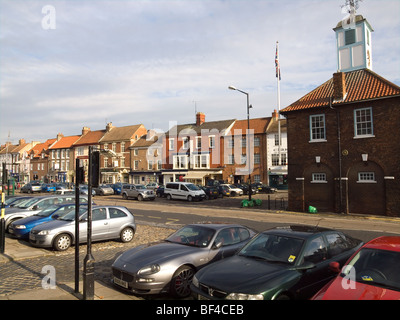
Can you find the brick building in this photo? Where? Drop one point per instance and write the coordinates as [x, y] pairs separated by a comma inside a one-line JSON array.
[[343, 138]]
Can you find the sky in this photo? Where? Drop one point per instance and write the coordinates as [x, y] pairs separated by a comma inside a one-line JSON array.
[[69, 64]]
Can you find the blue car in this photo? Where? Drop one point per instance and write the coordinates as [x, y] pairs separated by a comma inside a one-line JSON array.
[[48, 187], [21, 228]]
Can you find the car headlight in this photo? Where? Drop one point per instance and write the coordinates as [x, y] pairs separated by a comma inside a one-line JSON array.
[[44, 232], [20, 226], [151, 269], [244, 296]]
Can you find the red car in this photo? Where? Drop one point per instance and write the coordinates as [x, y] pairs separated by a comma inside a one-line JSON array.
[[372, 273]]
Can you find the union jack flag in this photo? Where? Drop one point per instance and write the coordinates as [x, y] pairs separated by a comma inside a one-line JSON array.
[[277, 66]]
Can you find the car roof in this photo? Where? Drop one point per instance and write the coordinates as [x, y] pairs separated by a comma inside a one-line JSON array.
[[298, 231], [390, 243], [215, 226]]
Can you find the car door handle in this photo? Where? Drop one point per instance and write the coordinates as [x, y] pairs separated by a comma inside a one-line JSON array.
[[105, 223]]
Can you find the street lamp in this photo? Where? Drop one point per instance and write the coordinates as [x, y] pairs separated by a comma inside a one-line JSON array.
[[248, 134]]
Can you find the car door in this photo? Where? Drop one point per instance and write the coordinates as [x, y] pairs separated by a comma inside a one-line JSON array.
[[100, 224], [232, 240], [313, 279], [117, 219]]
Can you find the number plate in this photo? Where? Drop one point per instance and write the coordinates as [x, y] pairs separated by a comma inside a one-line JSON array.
[[31, 237], [121, 283]]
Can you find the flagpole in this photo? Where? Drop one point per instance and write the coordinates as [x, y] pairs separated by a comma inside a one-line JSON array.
[[278, 77]]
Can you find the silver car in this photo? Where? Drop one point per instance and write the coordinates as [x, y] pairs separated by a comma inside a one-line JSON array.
[[104, 190], [137, 191], [169, 265], [108, 222], [34, 205]]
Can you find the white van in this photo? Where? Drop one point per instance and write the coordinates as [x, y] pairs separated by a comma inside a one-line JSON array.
[[184, 191]]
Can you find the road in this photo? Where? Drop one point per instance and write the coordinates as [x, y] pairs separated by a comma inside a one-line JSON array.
[[158, 218]]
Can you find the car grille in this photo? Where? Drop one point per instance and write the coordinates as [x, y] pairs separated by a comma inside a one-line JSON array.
[[212, 292], [122, 275]]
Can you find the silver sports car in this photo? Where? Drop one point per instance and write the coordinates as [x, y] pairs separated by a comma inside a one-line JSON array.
[[169, 265]]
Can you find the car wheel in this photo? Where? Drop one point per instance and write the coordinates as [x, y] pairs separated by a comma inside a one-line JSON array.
[[181, 281], [169, 197], [62, 242], [140, 197], [283, 297], [127, 234], [124, 196], [189, 198]]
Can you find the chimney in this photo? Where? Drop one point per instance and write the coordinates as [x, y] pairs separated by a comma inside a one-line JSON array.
[[59, 136], [275, 115], [339, 86], [85, 130], [21, 142], [109, 126], [200, 118]]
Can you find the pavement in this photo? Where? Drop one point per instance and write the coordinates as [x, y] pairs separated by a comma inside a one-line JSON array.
[[16, 250]]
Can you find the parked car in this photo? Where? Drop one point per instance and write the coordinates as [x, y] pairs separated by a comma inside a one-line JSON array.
[[263, 188], [65, 191], [234, 191], [137, 191], [31, 187], [35, 205], [84, 189], [210, 191], [117, 187], [246, 188], [279, 264], [224, 191], [152, 186], [21, 228], [48, 187], [372, 273], [169, 265], [183, 191], [108, 222], [103, 190], [160, 191], [12, 201]]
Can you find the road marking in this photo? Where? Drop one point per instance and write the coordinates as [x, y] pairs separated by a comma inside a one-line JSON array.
[[172, 221], [154, 217]]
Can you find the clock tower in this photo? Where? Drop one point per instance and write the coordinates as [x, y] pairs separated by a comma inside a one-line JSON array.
[[353, 41]]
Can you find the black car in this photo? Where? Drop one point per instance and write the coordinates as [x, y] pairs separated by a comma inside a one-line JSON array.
[[223, 191], [210, 191], [263, 188], [245, 188], [278, 264]]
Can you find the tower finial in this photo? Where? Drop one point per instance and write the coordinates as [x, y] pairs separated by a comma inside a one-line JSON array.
[[352, 5]]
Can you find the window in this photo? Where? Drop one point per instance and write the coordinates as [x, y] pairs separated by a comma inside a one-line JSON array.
[[198, 142], [200, 161], [185, 143], [244, 140], [363, 122], [276, 136], [275, 159], [135, 152], [318, 177], [317, 127], [150, 165], [122, 146], [336, 244], [316, 251], [114, 147], [350, 36], [283, 159], [171, 144], [231, 142], [136, 165], [256, 141], [257, 178], [231, 159], [211, 141], [180, 162], [366, 177], [243, 159], [116, 213], [257, 158]]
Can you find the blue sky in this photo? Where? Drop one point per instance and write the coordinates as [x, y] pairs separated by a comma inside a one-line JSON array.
[[157, 61]]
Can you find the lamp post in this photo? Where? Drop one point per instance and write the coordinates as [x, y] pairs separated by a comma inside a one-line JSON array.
[[248, 135]]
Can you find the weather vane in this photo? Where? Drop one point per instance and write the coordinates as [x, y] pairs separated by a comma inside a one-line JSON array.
[[352, 5]]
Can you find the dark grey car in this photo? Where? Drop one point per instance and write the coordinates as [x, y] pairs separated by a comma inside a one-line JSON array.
[[169, 265]]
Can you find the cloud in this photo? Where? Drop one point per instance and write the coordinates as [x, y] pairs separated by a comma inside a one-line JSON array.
[[157, 61]]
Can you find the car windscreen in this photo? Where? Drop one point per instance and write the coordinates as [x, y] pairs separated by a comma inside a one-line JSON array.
[[140, 187], [375, 267], [70, 215], [196, 236], [26, 204], [192, 187], [273, 248]]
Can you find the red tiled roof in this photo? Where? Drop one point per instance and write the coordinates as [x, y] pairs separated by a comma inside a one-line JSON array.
[[65, 142], [259, 125], [92, 137], [361, 85], [38, 149]]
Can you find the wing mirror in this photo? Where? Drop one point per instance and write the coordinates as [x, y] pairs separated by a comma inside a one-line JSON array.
[[334, 267], [217, 245]]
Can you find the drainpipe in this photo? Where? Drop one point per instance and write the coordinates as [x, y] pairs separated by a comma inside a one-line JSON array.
[[339, 155]]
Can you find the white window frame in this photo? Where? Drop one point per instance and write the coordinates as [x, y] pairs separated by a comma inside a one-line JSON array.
[[171, 144], [211, 142], [366, 177], [180, 162], [361, 123], [320, 128], [318, 177], [198, 142]]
